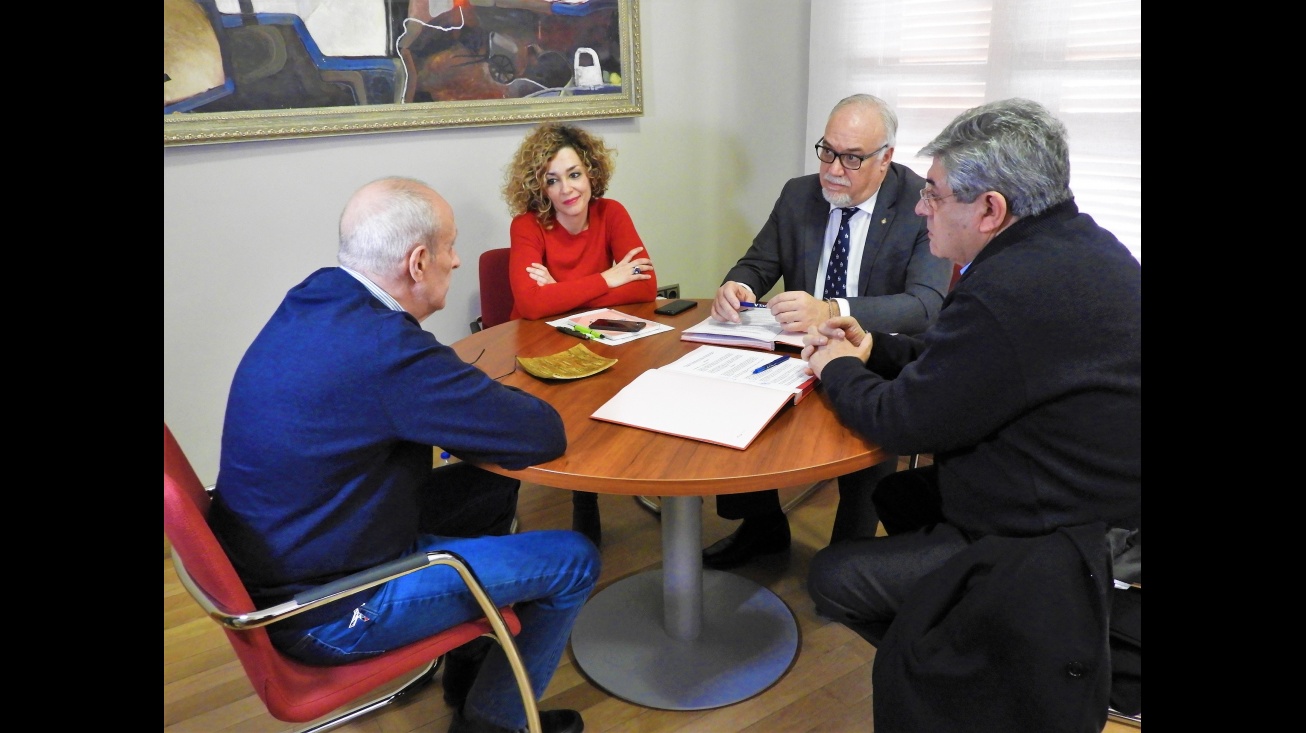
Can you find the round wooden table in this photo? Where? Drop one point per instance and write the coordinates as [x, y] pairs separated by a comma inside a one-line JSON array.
[[679, 638]]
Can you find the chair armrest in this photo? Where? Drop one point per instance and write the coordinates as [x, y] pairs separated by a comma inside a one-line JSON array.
[[361, 580], [337, 589]]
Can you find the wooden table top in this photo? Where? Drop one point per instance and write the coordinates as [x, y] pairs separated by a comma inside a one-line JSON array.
[[804, 443]]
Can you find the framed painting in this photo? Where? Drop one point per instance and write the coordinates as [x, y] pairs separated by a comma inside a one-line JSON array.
[[237, 70]]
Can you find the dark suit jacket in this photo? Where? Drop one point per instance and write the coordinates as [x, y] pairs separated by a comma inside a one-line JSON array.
[[901, 286]]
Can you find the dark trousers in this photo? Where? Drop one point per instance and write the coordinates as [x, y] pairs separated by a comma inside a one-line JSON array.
[[463, 500], [862, 583], [856, 516]]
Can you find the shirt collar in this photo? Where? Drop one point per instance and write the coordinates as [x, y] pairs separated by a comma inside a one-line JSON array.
[[868, 205], [375, 289]]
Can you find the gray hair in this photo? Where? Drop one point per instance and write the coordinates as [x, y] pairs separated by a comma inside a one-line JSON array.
[[1015, 147], [887, 116], [383, 221]]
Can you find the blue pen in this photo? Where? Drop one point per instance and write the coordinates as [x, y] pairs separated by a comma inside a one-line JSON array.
[[777, 362], [746, 304]]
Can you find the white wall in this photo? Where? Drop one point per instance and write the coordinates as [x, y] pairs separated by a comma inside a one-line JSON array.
[[725, 100]]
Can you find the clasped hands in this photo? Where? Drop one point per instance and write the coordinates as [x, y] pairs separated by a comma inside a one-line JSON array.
[[833, 338], [619, 274]]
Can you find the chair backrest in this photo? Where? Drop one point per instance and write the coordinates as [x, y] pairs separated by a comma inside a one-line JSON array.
[[496, 291], [290, 690], [185, 523]]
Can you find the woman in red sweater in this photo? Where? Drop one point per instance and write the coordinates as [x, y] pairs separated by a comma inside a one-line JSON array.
[[571, 249]]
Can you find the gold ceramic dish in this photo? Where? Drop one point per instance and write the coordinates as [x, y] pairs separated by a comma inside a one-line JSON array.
[[573, 363]]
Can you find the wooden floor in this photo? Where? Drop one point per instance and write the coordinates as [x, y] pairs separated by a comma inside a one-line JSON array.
[[828, 688]]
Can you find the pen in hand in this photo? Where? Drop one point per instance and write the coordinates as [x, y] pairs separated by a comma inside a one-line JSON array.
[[746, 304], [766, 366]]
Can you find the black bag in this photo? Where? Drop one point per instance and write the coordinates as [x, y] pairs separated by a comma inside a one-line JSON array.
[[1126, 625], [1126, 641]]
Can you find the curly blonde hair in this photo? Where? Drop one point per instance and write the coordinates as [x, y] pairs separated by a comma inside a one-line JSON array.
[[523, 186]]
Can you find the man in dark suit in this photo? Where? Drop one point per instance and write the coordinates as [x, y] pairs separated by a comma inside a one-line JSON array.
[[1027, 390], [845, 241]]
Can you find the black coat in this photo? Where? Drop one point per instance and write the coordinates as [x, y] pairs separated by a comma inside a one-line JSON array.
[[1027, 389], [1008, 636]]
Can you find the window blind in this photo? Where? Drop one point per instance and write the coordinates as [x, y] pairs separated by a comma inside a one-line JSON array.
[[932, 59]]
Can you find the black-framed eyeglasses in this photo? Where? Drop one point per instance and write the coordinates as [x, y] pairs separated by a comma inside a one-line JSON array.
[[850, 161], [932, 199]]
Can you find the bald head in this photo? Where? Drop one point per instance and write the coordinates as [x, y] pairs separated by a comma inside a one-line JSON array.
[[870, 105], [385, 219]]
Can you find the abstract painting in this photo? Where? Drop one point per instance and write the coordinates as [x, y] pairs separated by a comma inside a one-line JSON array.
[[268, 69]]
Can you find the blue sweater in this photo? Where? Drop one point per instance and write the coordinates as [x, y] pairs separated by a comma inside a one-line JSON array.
[[329, 430]]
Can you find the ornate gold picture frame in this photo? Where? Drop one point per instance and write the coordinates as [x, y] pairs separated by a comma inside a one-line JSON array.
[[237, 70]]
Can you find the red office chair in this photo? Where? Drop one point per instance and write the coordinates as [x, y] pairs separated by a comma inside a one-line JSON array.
[[496, 298], [296, 692], [496, 292]]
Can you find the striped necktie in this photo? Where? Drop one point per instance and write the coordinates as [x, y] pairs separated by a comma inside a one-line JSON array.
[[836, 272]]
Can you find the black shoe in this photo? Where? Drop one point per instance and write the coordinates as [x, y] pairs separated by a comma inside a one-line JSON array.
[[460, 669], [754, 537], [585, 519], [552, 721]]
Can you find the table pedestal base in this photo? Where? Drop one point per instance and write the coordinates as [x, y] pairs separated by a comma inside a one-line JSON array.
[[748, 638]]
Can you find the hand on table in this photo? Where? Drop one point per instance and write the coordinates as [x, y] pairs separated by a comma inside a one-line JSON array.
[[797, 311], [726, 305]]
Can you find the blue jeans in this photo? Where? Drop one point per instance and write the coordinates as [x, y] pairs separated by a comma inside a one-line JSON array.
[[547, 575]]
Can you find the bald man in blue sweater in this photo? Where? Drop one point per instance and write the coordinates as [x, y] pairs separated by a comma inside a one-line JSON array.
[[326, 467]]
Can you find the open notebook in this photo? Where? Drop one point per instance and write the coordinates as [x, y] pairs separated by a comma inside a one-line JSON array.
[[710, 394]]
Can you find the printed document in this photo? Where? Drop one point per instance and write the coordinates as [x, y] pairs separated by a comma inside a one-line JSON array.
[[739, 365]]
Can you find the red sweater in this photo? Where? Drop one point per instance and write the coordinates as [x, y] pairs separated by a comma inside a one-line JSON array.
[[576, 263]]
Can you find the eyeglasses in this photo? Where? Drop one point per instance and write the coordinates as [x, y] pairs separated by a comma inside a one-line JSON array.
[[850, 161], [932, 199]]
